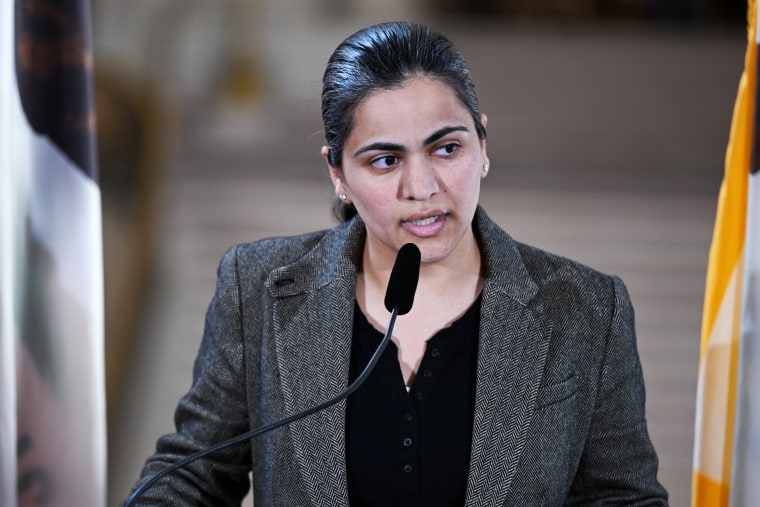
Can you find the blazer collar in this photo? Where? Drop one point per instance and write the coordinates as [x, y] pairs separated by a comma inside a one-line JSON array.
[[338, 254]]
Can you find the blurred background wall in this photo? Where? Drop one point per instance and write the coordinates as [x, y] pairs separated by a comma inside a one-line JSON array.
[[608, 122]]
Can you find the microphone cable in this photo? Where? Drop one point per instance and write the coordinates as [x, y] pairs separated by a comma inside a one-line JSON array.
[[258, 431]]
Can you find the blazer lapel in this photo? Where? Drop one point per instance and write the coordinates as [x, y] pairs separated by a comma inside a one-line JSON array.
[[511, 355], [313, 320], [514, 341]]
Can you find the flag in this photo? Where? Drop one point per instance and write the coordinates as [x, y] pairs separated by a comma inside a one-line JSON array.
[[52, 396], [726, 464]]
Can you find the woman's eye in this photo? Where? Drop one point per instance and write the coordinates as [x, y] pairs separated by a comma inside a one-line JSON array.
[[385, 162], [447, 150]]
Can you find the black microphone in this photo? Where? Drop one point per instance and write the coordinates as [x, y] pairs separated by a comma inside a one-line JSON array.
[[399, 297], [403, 282]]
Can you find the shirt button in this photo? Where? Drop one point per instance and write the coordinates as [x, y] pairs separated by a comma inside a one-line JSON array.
[[407, 442], [427, 373], [408, 417], [408, 469], [435, 352]]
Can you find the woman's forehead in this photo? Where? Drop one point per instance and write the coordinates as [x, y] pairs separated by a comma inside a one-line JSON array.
[[420, 106]]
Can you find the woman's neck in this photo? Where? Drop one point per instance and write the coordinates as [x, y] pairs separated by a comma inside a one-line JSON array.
[[444, 293], [446, 289]]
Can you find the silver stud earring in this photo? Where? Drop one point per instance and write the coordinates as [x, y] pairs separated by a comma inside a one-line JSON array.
[[343, 197], [485, 168]]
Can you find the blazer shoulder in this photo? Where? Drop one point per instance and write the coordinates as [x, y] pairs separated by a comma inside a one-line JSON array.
[[571, 281], [270, 253], [300, 262], [546, 266], [527, 271]]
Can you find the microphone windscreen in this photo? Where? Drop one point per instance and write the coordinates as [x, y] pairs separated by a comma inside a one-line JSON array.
[[403, 281]]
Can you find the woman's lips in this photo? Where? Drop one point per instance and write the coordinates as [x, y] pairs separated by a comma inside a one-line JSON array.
[[425, 226]]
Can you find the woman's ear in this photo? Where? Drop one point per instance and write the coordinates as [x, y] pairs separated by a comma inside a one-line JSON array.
[[334, 171], [335, 174], [483, 151]]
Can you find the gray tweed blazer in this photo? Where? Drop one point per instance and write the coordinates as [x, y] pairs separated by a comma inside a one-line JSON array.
[[559, 404]]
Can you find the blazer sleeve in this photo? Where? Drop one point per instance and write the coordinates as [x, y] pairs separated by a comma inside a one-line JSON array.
[[213, 410], [619, 464]]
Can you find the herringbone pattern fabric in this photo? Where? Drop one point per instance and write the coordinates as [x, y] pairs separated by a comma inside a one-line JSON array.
[[559, 402]]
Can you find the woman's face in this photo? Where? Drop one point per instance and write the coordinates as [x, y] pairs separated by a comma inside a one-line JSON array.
[[412, 166]]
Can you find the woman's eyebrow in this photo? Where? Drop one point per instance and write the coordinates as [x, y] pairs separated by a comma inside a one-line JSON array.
[[442, 132], [380, 146], [387, 146]]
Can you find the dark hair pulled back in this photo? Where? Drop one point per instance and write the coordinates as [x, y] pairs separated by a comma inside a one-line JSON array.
[[383, 57]]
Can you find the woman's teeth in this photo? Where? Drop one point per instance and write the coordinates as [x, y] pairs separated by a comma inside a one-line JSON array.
[[425, 221]]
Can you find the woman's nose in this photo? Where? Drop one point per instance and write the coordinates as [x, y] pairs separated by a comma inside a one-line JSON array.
[[419, 180]]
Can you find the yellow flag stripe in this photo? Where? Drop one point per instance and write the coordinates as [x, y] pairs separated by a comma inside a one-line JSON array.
[[721, 320], [716, 396], [710, 493], [730, 224]]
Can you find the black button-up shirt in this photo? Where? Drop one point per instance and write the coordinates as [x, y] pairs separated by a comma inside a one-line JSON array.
[[412, 448]]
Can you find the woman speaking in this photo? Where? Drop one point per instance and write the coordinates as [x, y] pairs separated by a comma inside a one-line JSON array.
[[514, 380]]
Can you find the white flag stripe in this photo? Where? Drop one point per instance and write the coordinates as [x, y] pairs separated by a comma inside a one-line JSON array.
[[64, 217], [64, 207], [7, 342], [745, 487], [7, 322], [52, 407]]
